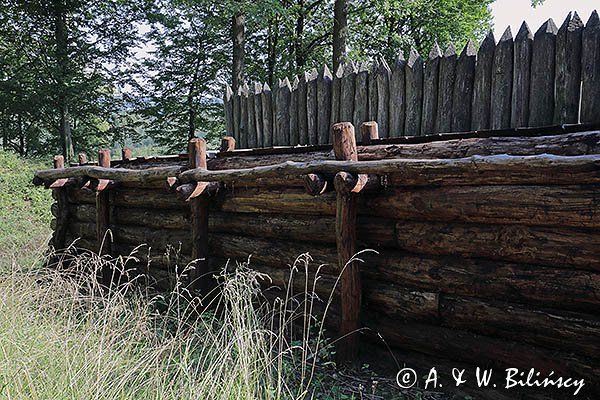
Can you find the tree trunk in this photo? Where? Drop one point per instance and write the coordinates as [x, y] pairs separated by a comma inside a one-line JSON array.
[[62, 58], [340, 31], [298, 48], [238, 34]]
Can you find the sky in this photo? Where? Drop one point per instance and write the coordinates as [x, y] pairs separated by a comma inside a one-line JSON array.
[[514, 12]]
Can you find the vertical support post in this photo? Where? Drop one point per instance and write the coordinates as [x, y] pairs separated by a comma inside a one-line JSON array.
[[126, 154], [227, 144], [82, 158], [103, 217], [60, 195], [199, 218], [344, 146], [369, 131]]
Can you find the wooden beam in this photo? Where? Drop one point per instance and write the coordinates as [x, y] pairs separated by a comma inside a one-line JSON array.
[[198, 278], [344, 146], [103, 239], [60, 194]]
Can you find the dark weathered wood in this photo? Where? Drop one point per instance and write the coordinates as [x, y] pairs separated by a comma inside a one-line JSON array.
[[541, 96], [572, 206], [568, 71], [103, 235], [463, 89], [236, 117], [383, 97], [521, 77], [294, 139], [315, 184], [62, 212], [267, 116], [199, 221], [311, 106], [447, 77], [502, 79], [397, 99], [482, 86], [475, 170], [336, 94], [493, 352], [344, 147], [302, 117], [258, 115], [347, 92], [324, 82], [590, 70], [552, 329], [372, 91], [414, 94], [551, 246], [283, 98], [361, 95], [430, 90], [368, 132], [228, 110], [227, 144], [243, 124]]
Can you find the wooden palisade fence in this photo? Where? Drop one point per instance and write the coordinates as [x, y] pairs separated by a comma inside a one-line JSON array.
[[487, 241], [550, 77]]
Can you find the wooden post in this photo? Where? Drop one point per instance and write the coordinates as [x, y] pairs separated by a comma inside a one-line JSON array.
[[482, 87], [463, 89], [383, 96], [60, 195], [372, 91], [397, 99], [294, 138], [443, 120], [258, 115], [344, 147], [568, 71], [199, 218], [521, 77], [369, 131], [414, 94], [228, 109], [502, 75], [361, 93], [126, 154], [430, 91], [266, 98], [311, 106], [103, 239], [590, 70], [541, 95], [324, 87], [82, 159], [227, 144], [348, 84]]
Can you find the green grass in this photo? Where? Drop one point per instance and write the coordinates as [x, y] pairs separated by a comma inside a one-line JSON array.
[[24, 209]]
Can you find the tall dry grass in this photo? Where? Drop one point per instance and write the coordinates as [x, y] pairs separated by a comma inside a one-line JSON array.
[[63, 336]]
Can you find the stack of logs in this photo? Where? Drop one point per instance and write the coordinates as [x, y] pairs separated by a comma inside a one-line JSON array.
[[487, 247]]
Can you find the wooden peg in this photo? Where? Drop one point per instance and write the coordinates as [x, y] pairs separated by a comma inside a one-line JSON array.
[[369, 131], [126, 154], [227, 144]]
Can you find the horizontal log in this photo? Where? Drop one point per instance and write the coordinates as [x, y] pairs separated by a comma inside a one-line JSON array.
[[483, 351], [553, 329], [479, 278], [552, 246], [571, 206], [118, 174], [150, 199], [155, 219], [81, 196], [82, 212], [474, 170], [275, 200]]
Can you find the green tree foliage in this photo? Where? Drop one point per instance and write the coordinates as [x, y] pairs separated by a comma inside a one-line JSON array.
[[61, 66], [384, 28]]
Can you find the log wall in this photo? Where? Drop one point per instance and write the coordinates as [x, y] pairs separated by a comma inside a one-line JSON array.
[[550, 77], [499, 269]]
